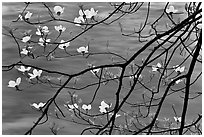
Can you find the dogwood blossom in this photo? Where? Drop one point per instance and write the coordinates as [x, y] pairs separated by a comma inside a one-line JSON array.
[[95, 71], [177, 119], [24, 51], [179, 69], [43, 42], [71, 107], [14, 83], [178, 81], [83, 50], [38, 106], [58, 10], [63, 46], [103, 107], [86, 107], [78, 20], [26, 39], [171, 10], [90, 13], [155, 68], [36, 73], [23, 69], [28, 15], [42, 30], [60, 28]]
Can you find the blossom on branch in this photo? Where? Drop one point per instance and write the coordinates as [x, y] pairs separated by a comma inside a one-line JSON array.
[[42, 41], [24, 51], [28, 15], [177, 119], [38, 106], [16, 83], [36, 73], [26, 39], [58, 10], [23, 69], [83, 50], [90, 13], [42, 30], [60, 28], [95, 71], [179, 69], [178, 81], [103, 107], [79, 20], [65, 45], [86, 107], [155, 68], [71, 107], [171, 10]]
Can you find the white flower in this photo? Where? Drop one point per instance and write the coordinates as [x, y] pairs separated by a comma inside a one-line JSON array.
[[45, 29], [14, 83], [71, 107], [28, 15], [23, 69], [178, 81], [95, 71], [26, 39], [60, 28], [42, 30], [179, 69], [80, 19], [35, 74], [177, 119], [38, 32], [103, 107], [24, 51], [82, 13], [58, 10], [171, 10], [38, 106], [83, 50], [155, 68], [90, 13], [86, 107], [43, 42], [63, 46]]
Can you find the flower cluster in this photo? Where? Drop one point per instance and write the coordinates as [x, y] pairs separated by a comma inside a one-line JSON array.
[[43, 42], [84, 15], [42, 30]]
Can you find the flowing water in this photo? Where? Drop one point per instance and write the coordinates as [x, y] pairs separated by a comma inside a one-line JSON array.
[[17, 115]]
